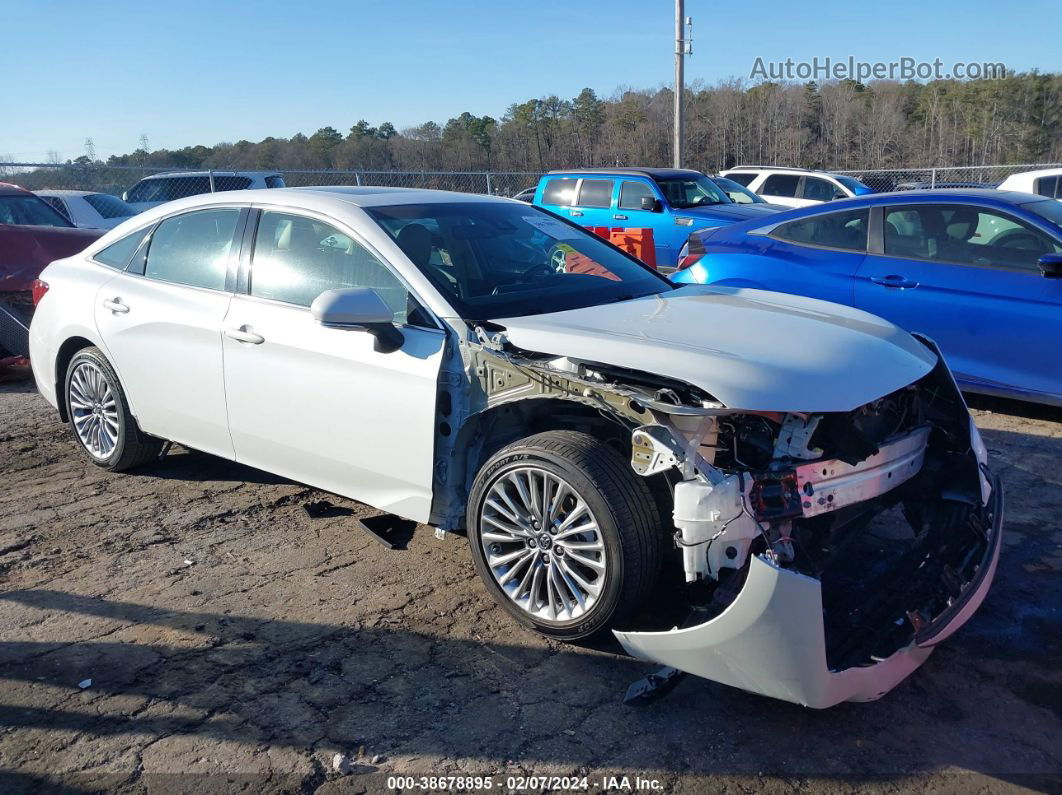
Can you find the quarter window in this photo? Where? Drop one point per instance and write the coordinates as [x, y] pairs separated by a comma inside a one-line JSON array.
[[632, 193], [193, 248], [118, 254], [846, 231], [965, 235], [297, 258], [781, 185], [1049, 186], [595, 193]]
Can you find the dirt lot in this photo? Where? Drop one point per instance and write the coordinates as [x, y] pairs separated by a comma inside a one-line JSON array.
[[232, 642]]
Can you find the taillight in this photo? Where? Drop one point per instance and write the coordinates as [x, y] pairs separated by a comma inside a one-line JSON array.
[[39, 289], [686, 259], [692, 250]]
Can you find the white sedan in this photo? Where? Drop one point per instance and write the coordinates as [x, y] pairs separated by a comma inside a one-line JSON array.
[[482, 366], [87, 209]]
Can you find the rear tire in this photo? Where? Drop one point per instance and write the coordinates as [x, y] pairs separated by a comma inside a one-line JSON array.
[[566, 537], [103, 426]]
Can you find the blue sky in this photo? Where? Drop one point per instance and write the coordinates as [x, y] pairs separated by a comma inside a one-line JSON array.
[[203, 72]]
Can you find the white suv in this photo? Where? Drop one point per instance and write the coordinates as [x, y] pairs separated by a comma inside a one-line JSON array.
[[796, 187], [1045, 182], [158, 188]]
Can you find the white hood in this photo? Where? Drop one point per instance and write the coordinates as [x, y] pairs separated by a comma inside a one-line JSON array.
[[749, 349]]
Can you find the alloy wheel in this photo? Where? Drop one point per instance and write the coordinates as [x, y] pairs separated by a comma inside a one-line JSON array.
[[93, 410]]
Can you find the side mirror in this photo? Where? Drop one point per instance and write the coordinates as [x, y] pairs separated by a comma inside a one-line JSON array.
[[125, 195], [651, 204], [1051, 266], [358, 309]]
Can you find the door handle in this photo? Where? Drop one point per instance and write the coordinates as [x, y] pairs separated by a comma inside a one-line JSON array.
[[244, 334], [620, 217], [577, 213], [115, 305], [893, 280]]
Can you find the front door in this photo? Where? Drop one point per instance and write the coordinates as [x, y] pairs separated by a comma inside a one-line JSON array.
[[968, 277], [160, 323], [321, 405], [668, 236]]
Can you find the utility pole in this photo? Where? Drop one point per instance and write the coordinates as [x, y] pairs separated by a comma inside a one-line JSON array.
[[683, 47]]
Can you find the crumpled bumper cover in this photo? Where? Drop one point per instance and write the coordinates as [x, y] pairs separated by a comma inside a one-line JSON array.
[[770, 639]]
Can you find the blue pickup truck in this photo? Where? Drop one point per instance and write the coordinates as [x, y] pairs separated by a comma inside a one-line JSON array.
[[672, 202]]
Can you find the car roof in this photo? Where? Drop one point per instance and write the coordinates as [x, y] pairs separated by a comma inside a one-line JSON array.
[[1040, 172], [57, 192], [7, 189], [215, 172], [652, 173]]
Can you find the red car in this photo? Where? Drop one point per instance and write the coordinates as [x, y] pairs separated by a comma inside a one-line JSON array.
[[32, 234]]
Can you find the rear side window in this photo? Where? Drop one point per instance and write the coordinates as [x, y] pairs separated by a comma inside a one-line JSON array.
[[741, 178], [228, 182], [118, 254], [1049, 186], [631, 194], [57, 204], [164, 189], [559, 191], [846, 231], [274, 181], [781, 185], [595, 193], [193, 248]]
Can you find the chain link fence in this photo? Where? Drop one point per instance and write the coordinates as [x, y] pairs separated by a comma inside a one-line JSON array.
[[141, 185], [144, 186]]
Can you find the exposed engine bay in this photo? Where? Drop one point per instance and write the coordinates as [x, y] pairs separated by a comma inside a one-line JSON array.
[[882, 520]]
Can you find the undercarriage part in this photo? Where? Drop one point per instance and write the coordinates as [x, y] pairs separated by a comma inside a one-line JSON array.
[[653, 687]]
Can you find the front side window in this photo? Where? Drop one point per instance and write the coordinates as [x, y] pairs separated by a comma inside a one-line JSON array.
[[164, 189], [595, 193], [118, 254], [686, 192], [109, 206], [632, 193], [496, 259], [559, 191], [819, 190], [30, 210], [846, 230], [965, 235], [781, 185], [193, 248], [297, 258]]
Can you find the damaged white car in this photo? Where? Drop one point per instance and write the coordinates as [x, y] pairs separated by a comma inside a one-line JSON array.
[[808, 473]]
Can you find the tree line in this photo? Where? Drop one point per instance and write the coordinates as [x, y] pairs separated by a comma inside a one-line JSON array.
[[840, 125]]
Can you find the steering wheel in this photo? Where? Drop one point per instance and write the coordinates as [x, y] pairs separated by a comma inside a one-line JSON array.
[[558, 259], [1017, 238], [541, 267]]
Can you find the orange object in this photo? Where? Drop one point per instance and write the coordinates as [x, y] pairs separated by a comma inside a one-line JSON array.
[[636, 242]]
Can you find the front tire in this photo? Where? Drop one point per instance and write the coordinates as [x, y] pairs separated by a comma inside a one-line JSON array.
[[563, 533], [105, 429]]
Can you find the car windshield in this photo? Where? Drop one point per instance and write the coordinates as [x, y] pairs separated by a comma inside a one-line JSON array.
[[29, 211], [496, 259], [854, 185], [688, 192], [1050, 209], [745, 195], [109, 206]]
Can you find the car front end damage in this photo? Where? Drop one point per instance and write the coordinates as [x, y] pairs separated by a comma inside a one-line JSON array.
[[826, 554]]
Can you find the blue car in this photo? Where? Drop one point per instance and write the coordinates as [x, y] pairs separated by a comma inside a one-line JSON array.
[[671, 202], [979, 271]]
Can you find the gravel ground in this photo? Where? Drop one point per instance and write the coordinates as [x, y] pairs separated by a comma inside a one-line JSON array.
[[190, 627]]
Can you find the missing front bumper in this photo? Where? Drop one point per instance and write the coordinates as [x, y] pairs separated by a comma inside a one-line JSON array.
[[771, 638]]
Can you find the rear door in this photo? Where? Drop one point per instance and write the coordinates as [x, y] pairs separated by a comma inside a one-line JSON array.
[[320, 405], [594, 203], [967, 276], [160, 322]]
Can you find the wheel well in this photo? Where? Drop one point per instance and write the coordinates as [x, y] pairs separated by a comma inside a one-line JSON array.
[[485, 433], [66, 352]]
